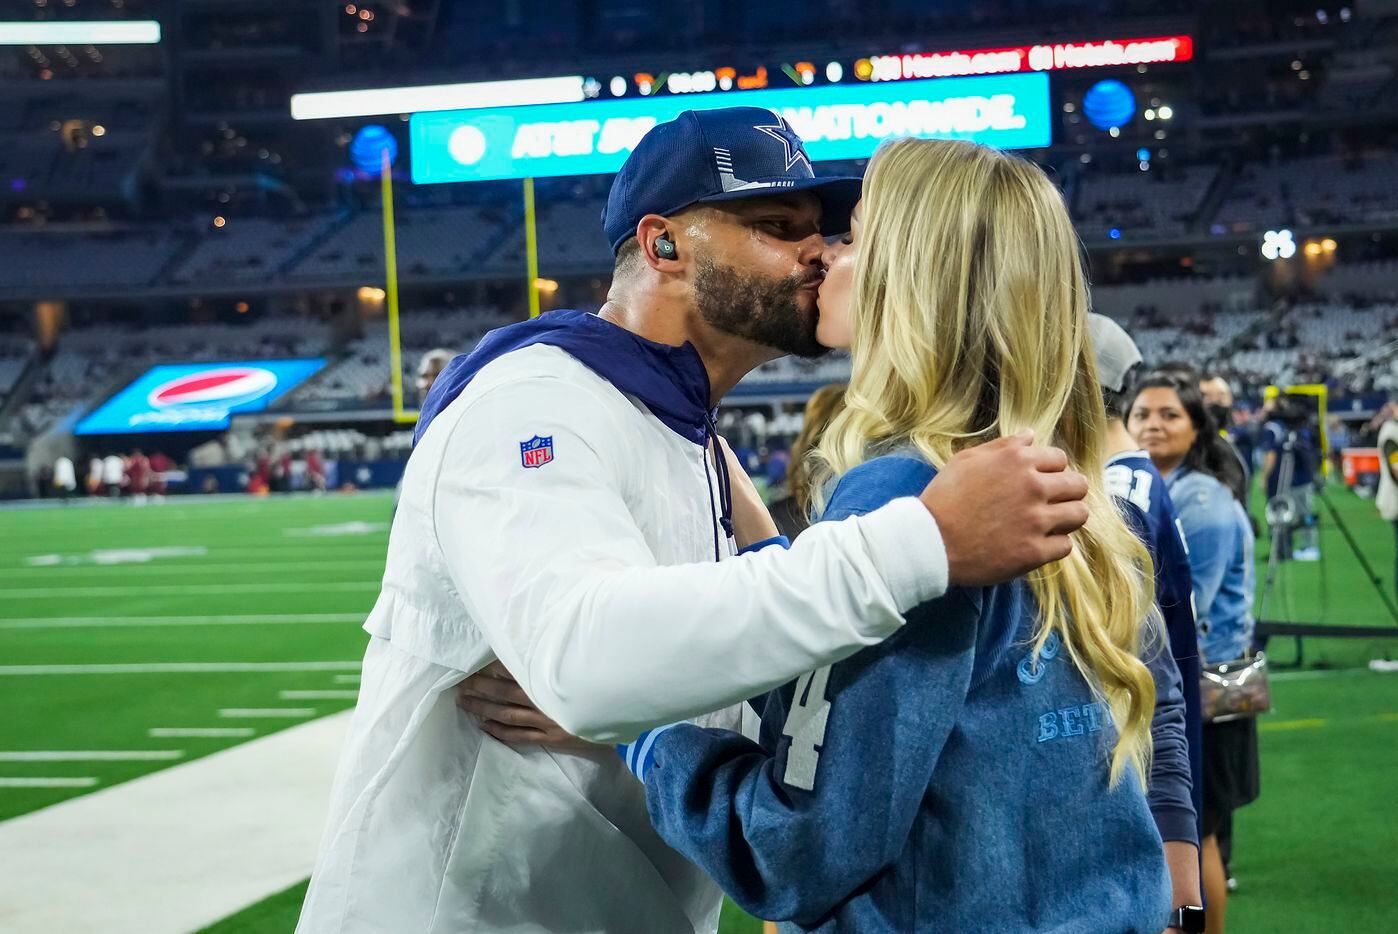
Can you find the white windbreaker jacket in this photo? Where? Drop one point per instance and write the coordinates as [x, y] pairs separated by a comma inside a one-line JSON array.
[[554, 522], [1387, 499]]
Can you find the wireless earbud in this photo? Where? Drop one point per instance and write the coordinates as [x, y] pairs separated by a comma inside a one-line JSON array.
[[664, 248]]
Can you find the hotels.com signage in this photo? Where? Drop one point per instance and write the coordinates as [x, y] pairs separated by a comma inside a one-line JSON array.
[[1065, 55]]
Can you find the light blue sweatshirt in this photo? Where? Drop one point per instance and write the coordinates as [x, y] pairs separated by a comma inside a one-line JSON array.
[[1220, 541], [944, 780]]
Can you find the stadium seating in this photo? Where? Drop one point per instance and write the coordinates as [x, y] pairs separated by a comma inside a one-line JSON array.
[[362, 373], [437, 242], [431, 242], [1142, 204], [81, 257], [570, 239], [1309, 191], [248, 249], [1176, 296], [781, 375]]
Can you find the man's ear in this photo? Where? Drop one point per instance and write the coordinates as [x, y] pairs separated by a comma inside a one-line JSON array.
[[658, 242]]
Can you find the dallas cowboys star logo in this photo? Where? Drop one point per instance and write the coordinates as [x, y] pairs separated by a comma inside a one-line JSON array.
[[789, 140]]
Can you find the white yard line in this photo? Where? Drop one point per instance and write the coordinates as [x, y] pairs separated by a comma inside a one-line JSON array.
[[291, 713], [318, 695], [1309, 674], [194, 567], [347, 679], [121, 622], [176, 850], [46, 783], [176, 590], [93, 755], [180, 732], [159, 668]]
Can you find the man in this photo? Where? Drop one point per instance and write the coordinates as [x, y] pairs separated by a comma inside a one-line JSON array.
[[560, 514], [95, 468], [65, 476], [138, 475], [1292, 477], [1218, 400], [1176, 781], [429, 367], [113, 474]]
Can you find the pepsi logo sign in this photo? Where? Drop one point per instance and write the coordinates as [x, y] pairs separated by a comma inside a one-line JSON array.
[[196, 397], [223, 386]]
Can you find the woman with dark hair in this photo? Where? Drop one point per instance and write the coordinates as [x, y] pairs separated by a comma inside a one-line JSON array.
[[792, 511], [1169, 420]]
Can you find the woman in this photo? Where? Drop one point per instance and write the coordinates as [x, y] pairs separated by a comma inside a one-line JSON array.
[[982, 772], [1168, 419]]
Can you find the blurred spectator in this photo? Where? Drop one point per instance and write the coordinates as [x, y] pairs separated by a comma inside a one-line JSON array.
[[792, 510], [138, 474], [1218, 401], [430, 367], [65, 476], [315, 471], [113, 474], [1290, 462], [1388, 473], [160, 465], [1169, 420]]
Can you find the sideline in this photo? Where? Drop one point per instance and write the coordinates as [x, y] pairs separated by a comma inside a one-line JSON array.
[[176, 850]]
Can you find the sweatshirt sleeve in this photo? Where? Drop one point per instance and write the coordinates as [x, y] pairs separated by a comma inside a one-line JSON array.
[[1212, 536], [551, 564], [1171, 783], [790, 829], [1171, 776]]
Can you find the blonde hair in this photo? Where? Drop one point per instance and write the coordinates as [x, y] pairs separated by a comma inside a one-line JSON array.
[[969, 315], [823, 405]]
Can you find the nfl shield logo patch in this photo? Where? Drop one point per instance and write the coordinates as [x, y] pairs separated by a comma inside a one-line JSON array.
[[536, 452]]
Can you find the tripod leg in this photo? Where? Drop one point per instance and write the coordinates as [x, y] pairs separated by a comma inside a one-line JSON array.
[[1359, 555]]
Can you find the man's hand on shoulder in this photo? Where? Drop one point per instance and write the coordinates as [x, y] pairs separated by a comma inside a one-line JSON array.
[[1005, 508]]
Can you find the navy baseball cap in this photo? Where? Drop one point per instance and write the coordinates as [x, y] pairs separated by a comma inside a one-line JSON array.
[[719, 155]]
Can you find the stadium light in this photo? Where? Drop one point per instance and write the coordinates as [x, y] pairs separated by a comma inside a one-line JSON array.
[[135, 32], [376, 102], [1278, 244]]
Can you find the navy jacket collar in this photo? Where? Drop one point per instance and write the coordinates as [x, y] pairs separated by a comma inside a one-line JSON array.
[[670, 381]]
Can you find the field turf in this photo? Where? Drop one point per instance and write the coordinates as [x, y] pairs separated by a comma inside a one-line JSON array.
[[287, 582]]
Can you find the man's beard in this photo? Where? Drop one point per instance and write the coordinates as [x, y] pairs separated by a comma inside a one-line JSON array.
[[762, 310]]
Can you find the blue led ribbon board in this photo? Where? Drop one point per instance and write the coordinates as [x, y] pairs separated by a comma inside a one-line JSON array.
[[836, 122]]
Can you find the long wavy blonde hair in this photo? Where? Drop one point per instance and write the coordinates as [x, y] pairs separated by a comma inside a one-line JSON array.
[[969, 319]]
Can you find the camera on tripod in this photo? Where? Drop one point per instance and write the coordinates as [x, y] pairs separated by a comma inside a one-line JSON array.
[[1294, 421], [1295, 412]]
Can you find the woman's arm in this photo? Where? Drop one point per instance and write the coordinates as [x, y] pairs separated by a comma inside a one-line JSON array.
[[794, 828], [1211, 533], [1171, 779], [794, 831]]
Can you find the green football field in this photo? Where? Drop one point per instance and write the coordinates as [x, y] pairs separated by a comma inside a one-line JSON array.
[[240, 617]]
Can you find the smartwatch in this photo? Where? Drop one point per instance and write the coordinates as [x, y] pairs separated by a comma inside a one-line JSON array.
[[1187, 918]]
